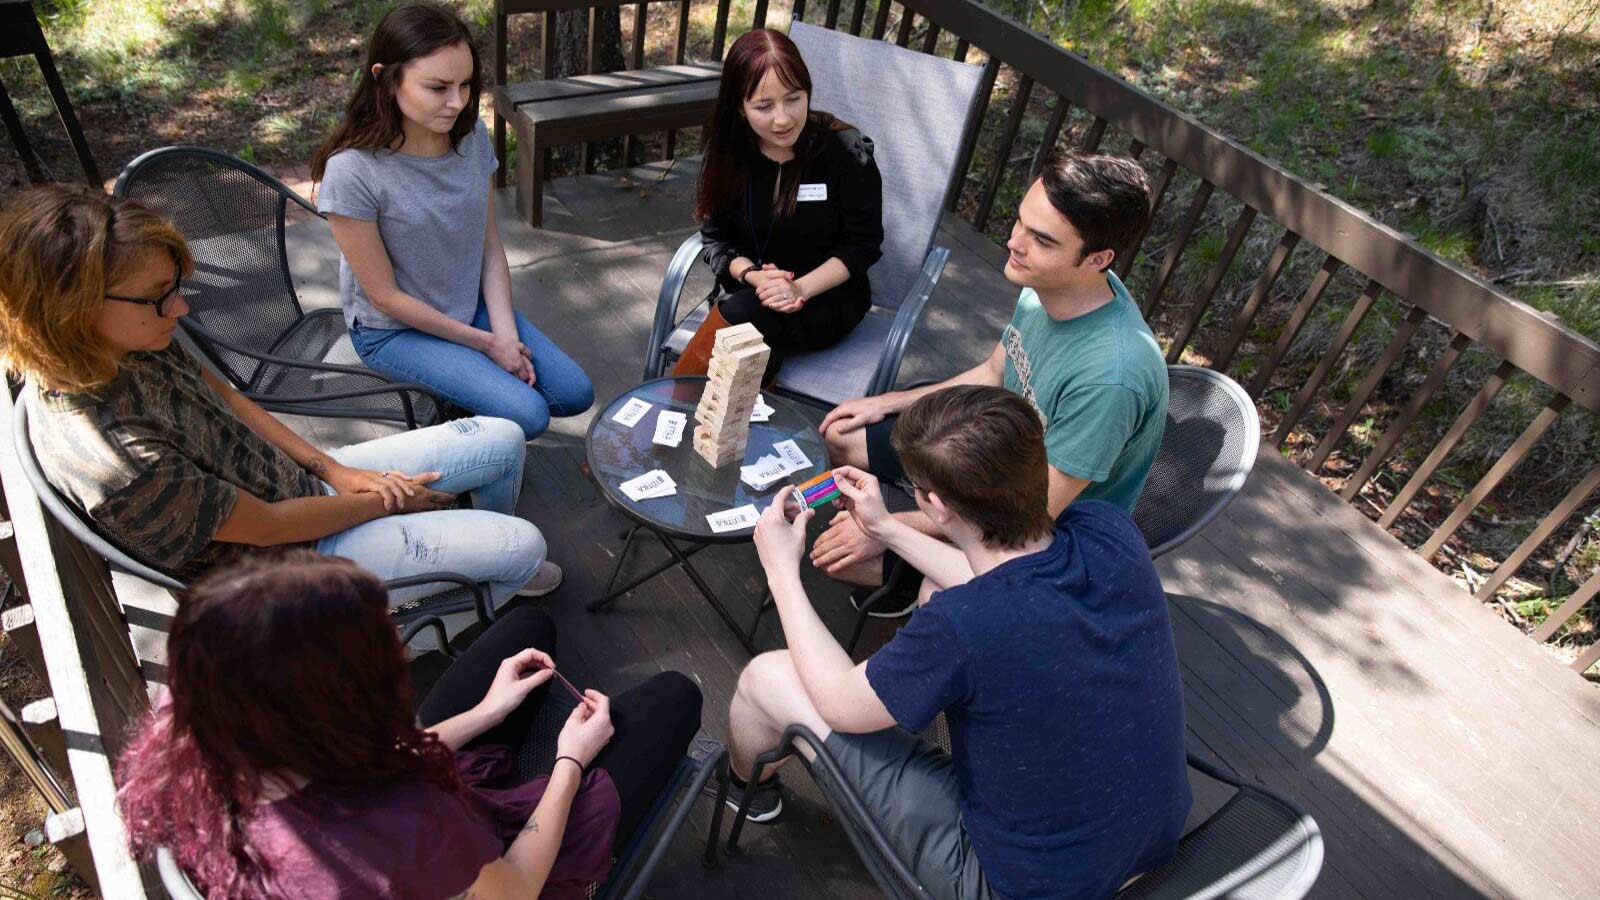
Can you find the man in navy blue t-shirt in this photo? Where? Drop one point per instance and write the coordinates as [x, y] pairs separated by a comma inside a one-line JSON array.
[[1049, 651]]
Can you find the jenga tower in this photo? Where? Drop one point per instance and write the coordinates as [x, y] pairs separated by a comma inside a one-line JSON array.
[[738, 358]]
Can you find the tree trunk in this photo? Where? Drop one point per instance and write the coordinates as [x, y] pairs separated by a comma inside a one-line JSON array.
[[572, 58]]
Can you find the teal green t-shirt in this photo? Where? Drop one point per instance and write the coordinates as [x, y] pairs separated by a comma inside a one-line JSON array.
[[1099, 381]]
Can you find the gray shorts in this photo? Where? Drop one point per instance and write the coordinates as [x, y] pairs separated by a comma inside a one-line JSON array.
[[910, 787]]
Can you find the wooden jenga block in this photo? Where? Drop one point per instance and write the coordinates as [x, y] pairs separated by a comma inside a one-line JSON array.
[[718, 452], [736, 336], [738, 359]]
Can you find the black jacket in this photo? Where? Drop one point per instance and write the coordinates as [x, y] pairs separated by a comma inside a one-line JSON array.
[[847, 224]]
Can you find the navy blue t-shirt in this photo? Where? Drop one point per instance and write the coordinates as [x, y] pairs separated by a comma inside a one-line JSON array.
[[1058, 676]]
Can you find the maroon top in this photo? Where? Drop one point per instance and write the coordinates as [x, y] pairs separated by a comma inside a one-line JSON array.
[[417, 841]]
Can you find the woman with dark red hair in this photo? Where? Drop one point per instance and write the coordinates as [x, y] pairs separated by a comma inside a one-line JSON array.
[[790, 204], [288, 763]]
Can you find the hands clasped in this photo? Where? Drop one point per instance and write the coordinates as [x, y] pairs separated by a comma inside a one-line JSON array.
[[511, 354], [776, 289], [401, 493]]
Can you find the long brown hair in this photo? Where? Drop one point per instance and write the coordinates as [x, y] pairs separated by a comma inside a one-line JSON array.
[[282, 665], [731, 146], [63, 249], [372, 118]]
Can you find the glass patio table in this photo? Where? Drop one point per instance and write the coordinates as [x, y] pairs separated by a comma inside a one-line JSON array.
[[618, 452]]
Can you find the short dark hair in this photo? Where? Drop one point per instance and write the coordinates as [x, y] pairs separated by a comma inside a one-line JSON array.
[[1107, 198], [981, 449]]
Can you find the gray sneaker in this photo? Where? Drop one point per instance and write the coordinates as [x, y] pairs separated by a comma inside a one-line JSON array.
[[545, 579]]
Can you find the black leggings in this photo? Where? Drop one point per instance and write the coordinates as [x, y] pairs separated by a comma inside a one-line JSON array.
[[655, 720], [825, 320]]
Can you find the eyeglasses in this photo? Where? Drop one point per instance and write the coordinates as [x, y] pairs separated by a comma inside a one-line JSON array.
[[161, 303]]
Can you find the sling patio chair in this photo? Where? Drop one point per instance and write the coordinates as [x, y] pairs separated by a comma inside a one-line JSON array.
[[457, 594], [635, 862], [1206, 454], [1257, 846], [244, 312], [918, 114]]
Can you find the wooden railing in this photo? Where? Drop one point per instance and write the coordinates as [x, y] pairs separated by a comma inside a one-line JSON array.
[[67, 743], [1096, 109]]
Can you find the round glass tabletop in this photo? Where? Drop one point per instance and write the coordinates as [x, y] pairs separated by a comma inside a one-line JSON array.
[[619, 452]]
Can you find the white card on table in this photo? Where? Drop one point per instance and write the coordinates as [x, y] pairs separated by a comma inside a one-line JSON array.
[[733, 519], [631, 412], [790, 453], [763, 472], [669, 428], [655, 483], [762, 412], [811, 192]]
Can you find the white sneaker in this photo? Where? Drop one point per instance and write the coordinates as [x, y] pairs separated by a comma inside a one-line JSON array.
[[545, 579]]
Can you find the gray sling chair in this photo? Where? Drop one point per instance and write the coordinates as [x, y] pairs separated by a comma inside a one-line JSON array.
[[244, 312], [1206, 454], [412, 617], [1257, 846], [636, 862], [917, 110]]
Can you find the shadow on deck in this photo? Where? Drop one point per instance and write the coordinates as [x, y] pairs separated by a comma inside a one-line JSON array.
[[1443, 754]]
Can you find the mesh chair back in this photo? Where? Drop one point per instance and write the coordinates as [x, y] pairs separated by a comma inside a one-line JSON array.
[[1206, 454], [232, 215], [917, 111], [1258, 846]]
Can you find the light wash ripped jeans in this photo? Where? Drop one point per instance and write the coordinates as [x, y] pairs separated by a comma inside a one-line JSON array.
[[481, 457]]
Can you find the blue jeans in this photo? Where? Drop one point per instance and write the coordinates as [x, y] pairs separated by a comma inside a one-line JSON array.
[[480, 457], [471, 380]]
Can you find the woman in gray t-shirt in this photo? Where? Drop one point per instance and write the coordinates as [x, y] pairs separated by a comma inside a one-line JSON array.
[[423, 276]]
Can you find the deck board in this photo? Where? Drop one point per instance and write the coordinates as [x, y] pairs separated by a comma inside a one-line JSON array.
[[1443, 753]]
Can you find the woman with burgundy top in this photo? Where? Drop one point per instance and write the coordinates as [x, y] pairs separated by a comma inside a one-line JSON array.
[[790, 203], [288, 764]]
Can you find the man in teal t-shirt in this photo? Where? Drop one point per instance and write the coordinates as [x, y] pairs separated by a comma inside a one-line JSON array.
[[1099, 382], [1076, 347]]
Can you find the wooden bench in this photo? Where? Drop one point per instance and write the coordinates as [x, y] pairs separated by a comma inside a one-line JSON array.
[[559, 111]]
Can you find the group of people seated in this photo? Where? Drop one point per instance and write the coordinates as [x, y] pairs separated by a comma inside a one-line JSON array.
[[287, 757]]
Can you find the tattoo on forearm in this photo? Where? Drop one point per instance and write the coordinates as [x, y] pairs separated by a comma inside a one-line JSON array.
[[533, 825], [318, 468]]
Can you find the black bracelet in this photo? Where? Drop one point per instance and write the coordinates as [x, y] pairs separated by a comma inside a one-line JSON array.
[[582, 769]]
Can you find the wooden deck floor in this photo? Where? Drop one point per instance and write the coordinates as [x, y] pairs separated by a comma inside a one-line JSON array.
[[1442, 753]]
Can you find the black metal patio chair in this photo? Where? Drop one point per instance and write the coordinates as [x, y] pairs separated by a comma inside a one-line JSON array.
[[1257, 846], [1207, 451], [244, 312], [917, 114], [458, 592]]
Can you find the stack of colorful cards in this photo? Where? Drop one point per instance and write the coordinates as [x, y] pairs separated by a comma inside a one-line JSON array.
[[817, 491]]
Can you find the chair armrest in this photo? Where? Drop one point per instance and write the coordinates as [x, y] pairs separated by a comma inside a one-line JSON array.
[[905, 321], [879, 857], [667, 303], [479, 601], [209, 342], [206, 337], [409, 632], [639, 878]]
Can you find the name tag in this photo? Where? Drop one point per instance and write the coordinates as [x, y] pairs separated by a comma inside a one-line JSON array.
[[809, 192]]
